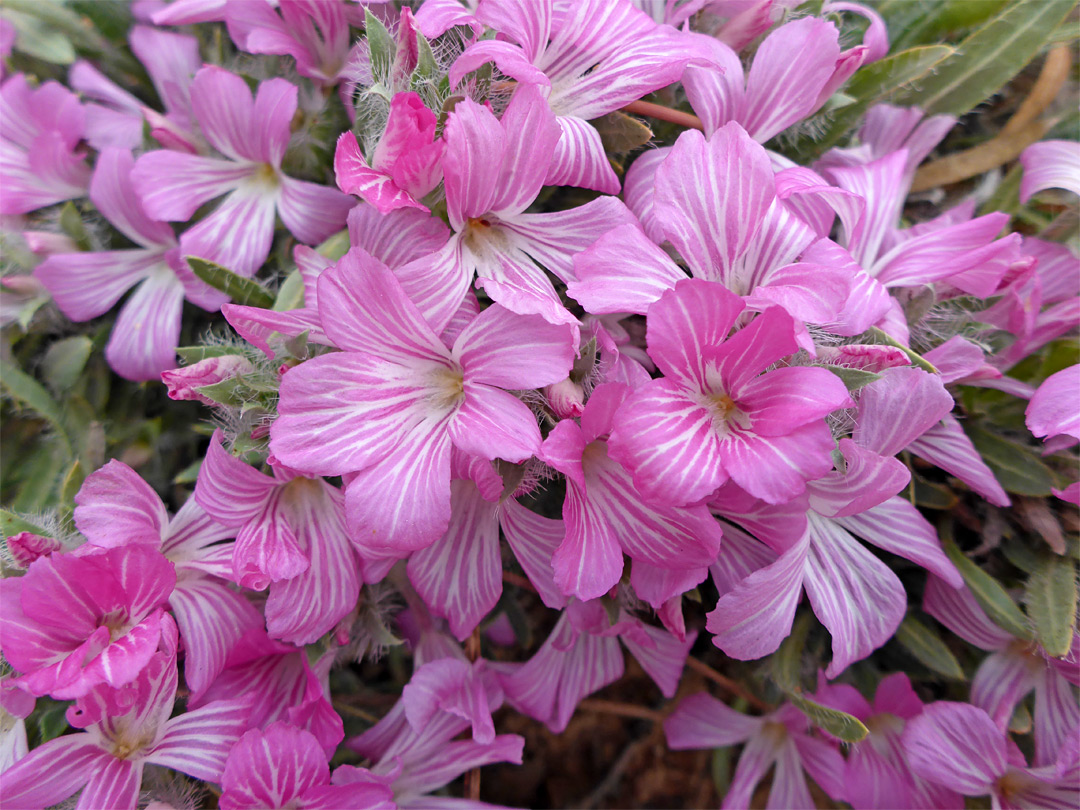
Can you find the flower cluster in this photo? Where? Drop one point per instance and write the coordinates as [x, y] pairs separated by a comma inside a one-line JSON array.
[[511, 347]]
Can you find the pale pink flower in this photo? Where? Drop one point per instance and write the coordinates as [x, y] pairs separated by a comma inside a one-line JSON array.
[[1050, 164], [252, 135], [390, 407]]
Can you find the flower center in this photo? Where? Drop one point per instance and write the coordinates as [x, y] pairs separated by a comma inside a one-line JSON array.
[[266, 175], [447, 387]]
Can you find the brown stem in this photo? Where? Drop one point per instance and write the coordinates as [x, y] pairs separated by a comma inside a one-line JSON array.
[[1022, 130], [731, 686], [621, 709], [518, 580], [662, 113], [472, 778]]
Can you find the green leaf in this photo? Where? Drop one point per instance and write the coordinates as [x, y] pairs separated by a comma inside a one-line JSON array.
[[10, 524], [36, 39], [290, 293], [1017, 467], [427, 69], [786, 663], [71, 482], [193, 354], [56, 16], [241, 290], [189, 474], [989, 593], [620, 132], [987, 59], [336, 246], [853, 378], [380, 44], [1006, 196], [928, 648], [71, 223], [840, 724], [932, 495], [231, 392], [877, 82], [64, 362], [51, 722], [31, 394], [1051, 603]]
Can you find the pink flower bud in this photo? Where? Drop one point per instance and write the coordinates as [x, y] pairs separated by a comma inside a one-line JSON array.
[[183, 382], [25, 547], [566, 399], [867, 357]]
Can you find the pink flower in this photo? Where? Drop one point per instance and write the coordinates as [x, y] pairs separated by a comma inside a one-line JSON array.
[[127, 729], [877, 774], [26, 547], [957, 746], [85, 285], [588, 59], [390, 407], [1050, 164], [115, 508], [78, 620], [184, 383], [252, 135], [1052, 410], [40, 130], [284, 766], [1014, 668], [494, 170], [407, 163], [290, 531], [314, 32], [714, 416], [781, 738], [605, 515]]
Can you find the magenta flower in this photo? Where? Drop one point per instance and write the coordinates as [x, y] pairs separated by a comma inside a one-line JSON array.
[[280, 684], [795, 71], [314, 32], [184, 383], [720, 204], [714, 416], [40, 130], [126, 730], [285, 767], [394, 239], [589, 59], [877, 775], [85, 285], [782, 738], [407, 163], [291, 536], [116, 508], [390, 407], [78, 620], [605, 515], [582, 655], [459, 576], [252, 135], [1014, 668], [1052, 410], [958, 747], [494, 169], [114, 117], [1050, 164]]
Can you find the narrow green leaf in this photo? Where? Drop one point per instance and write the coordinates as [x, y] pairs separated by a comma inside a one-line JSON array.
[[56, 16], [840, 724], [36, 39], [1017, 467], [28, 392], [878, 82], [71, 223], [1051, 603], [290, 293], [1021, 721], [932, 495], [1006, 196], [189, 474], [241, 290], [989, 593], [51, 722], [909, 21], [427, 68], [786, 663], [853, 378], [64, 362], [987, 59], [928, 648], [193, 354], [71, 482], [380, 44], [336, 246]]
